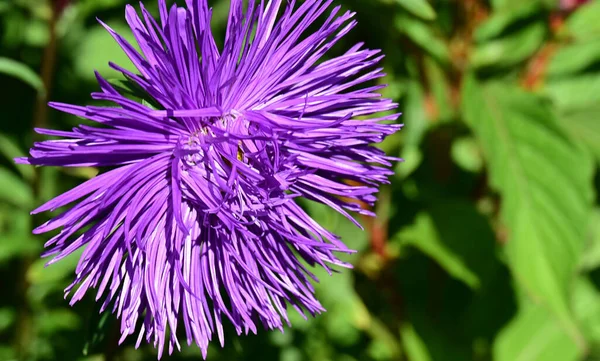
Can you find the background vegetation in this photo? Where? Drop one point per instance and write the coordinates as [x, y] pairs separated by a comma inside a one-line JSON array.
[[486, 245]]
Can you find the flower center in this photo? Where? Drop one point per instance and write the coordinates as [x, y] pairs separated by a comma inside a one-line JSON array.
[[191, 151]]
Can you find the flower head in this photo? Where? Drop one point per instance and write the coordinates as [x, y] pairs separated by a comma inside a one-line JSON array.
[[194, 218]]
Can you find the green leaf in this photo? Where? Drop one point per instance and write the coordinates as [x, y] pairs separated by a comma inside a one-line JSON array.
[[440, 90], [98, 48], [14, 190], [591, 256], [573, 58], [346, 314], [11, 150], [384, 345], [351, 235], [291, 354], [415, 348], [513, 5], [511, 49], [17, 245], [544, 207], [534, 335], [7, 318], [507, 5], [416, 125], [129, 88], [574, 92], [467, 154], [53, 321], [466, 253], [415, 120], [500, 21], [58, 272], [4, 6], [586, 307], [91, 7], [413, 157], [21, 72], [420, 8], [98, 327], [424, 36], [584, 125], [584, 24], [424, 236]]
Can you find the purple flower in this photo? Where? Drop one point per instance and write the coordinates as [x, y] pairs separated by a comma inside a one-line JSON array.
[[194, 217]]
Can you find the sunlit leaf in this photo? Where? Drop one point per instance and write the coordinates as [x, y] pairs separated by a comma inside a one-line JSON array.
[[545, 208], [535, 335]]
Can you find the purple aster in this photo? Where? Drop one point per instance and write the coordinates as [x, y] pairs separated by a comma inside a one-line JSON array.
[[194, 218]]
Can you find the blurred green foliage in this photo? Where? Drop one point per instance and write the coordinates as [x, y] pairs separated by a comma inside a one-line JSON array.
[[486, 245]]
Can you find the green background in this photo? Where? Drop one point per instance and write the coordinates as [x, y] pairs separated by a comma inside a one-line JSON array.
[[486, 245]]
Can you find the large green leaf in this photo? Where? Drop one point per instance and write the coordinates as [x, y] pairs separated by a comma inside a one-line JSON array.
[[420, 8], [535, 335], [546, 186]]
